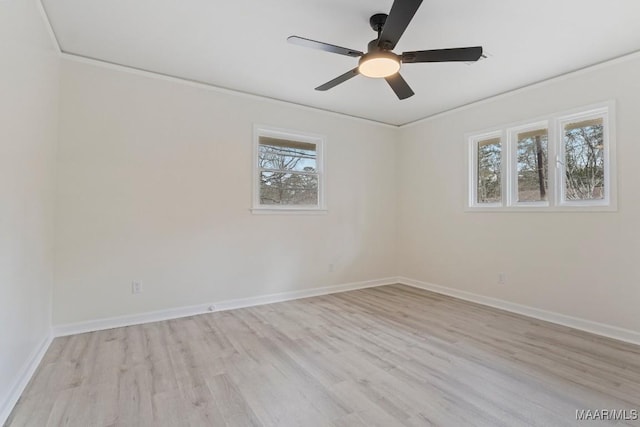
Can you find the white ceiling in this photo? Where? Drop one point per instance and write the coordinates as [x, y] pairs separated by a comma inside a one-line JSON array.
[[241, 45]]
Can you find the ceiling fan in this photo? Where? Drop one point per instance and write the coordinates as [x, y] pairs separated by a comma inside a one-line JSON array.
[[380, 61]]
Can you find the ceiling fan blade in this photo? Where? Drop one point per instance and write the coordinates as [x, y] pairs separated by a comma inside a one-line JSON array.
[[340, 79], [399, 86], [399, 17], [301, 41], [464, 54]]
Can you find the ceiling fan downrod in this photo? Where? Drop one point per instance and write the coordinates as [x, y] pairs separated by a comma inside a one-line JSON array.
[[377, 22]]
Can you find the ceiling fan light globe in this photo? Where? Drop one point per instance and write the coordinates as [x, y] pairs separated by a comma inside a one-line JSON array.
[[379, 65]]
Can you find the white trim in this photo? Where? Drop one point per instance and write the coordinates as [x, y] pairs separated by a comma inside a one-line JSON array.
[[288, 211], [472, 168], [175, 313], [590, 326], [23, 378], [208, 86], [114, 66], [605, 111], [522, 208], [597, 328], [48, 27], [513, 189], [600, 65], [274, 132]]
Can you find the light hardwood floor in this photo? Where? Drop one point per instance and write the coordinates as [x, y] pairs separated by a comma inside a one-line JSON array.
[[386, 356]]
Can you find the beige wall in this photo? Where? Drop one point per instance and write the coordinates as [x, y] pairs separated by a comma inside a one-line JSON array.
[[577, 264], [154, 185], [28, 123]]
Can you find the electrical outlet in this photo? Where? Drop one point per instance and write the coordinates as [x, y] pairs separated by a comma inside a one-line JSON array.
[[136, 287], [502, 278], [332, 268]]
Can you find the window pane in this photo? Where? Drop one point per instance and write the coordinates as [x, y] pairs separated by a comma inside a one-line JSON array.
[[285, 155], [584, 160], [533, 164], [489, 171], [277, 188]]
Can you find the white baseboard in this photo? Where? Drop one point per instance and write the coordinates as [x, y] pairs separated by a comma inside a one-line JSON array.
[[602, 329], [23, 378], [174, 313]]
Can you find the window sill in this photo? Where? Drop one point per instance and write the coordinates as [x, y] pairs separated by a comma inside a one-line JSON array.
[[545, 209], [289, 211]]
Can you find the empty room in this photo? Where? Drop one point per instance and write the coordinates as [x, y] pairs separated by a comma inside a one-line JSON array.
[[313, 213]]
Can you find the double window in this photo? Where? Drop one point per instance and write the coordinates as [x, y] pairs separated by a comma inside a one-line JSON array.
[[288, 171], [561, 162]]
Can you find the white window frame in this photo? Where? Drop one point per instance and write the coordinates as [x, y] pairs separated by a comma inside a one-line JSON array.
[[512, 174], [273, 132], [554, 124], [609, 199], [473, 168]]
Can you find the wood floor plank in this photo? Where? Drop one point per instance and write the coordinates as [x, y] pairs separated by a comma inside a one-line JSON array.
[[234, 408], [386, 356]]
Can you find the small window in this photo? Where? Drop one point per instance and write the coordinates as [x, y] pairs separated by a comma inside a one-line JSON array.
[[489, 171], [583, 162], [486, 159], [288, 171], [531, 150]]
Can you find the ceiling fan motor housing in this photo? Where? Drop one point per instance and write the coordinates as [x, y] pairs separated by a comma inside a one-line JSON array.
[[373, 46], [377, 21]]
